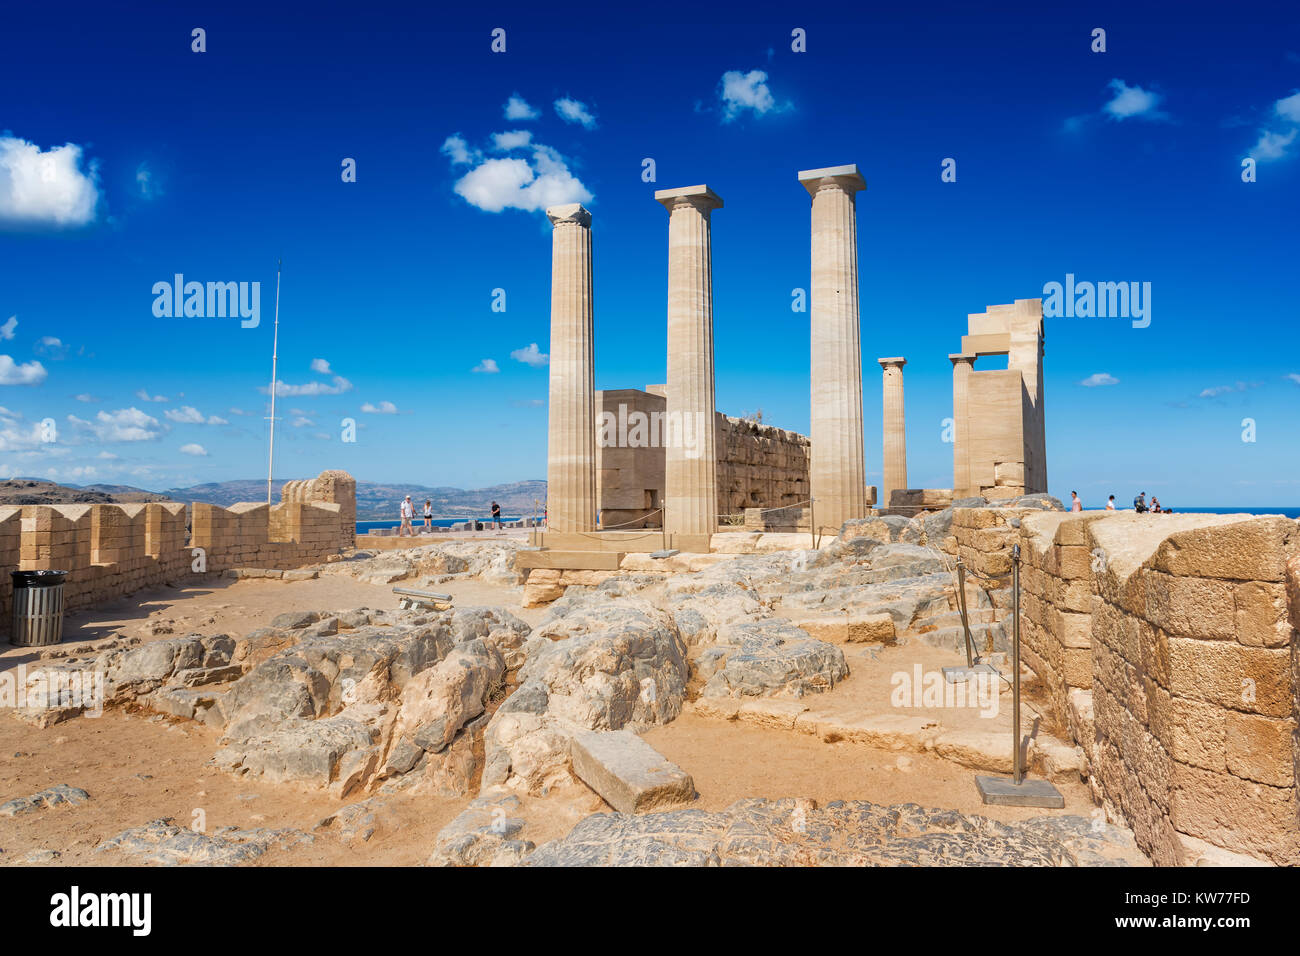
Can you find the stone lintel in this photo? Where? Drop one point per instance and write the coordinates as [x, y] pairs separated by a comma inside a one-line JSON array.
[[569, 212], [846, 177], [895, 360], [701, 196], [955, 357]]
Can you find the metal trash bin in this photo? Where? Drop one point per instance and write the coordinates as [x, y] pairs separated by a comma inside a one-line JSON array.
[[38, 608]]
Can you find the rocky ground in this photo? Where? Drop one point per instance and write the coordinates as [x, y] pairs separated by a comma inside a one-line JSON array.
[[487, 735]]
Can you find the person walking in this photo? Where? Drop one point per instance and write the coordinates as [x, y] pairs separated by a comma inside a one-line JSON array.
[[428, 515], [1075, 503], [408, 512], [496, 515], [1110, 503]]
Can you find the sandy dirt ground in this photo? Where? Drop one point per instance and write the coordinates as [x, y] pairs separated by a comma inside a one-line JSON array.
[[139, 767]]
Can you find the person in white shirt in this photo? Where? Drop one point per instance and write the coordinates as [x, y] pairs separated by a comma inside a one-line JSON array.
[[408, 512], [1110, 504], [1075, 503]]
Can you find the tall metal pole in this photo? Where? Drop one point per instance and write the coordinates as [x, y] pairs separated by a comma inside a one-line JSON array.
[[1015, 660], [275, 348]]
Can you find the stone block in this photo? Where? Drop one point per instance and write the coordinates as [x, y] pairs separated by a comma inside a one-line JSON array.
[[629, 774]]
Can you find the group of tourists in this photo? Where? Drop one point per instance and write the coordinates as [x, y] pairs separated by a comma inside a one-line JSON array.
[[408, 514], [1139, 504]]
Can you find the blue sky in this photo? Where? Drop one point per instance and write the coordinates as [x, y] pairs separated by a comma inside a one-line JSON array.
[[126, 158]]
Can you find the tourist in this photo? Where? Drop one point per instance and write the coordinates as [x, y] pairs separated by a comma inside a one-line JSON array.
[[496, 515], [1110, 503], [1075, 503], [1155, 504], [428, 516], [408, 512], [1140, 502]]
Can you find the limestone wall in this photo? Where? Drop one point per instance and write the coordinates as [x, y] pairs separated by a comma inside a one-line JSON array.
[[113, 550], [760, 466], [1167, 644]]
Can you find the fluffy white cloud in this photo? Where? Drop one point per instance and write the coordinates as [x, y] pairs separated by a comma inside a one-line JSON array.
[[28, 373], [7, 330], [488, 366], [1132, 101], [86, 397], [455, 147], [320, 367], [302, 421], [530, 355], [517, 108], [1289, 107], [198, 451], [575, 111], [284, 390], [1272, 145], [50, 347], [1099, 378], [1294, 376], [383, 408], [46, 187], [745, 91], [125, 424], [146, 397], [189, 415], [1218, 390], [515, 183], [514, 139]]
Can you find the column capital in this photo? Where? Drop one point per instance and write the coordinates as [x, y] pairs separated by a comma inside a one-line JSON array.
[[846, 178], [957, 357], [897, 360], [573, 212], [701, 197]]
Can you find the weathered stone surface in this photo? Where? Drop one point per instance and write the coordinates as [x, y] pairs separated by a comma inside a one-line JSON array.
[[58, 795], [798, 833], [483, 834], [629, 774], [162, 843]]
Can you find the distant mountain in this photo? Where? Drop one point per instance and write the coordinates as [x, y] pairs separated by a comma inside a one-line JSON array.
[[375, 500], [379, 501], [38, 491]]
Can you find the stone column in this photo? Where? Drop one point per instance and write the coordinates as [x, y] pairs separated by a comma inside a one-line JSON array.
[[962, 365], [571, 431], [690, 455], [895, 451], [837, 467]]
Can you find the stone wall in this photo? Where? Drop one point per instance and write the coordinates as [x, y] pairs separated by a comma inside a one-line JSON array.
[[760, 466], [1168, 646], [113, 550]]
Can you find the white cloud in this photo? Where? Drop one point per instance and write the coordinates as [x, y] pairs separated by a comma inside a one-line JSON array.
[[125, 424], [1294, 376], [455, 147], [302, 421], [284, 390], [745, 91], [146, 397], [1289, 107], [189, 415], [198, 451], [515, 183], [1218, 390], [383, 408], [1272, 145], [28, 373], [320, 367], [488, 366], [50, 347], [147, 182], [1099, 378], [46, 188], [514, 139], [530, 355], [7, 330], [575, 111], [86, 397], [517, 108], [1132, 101]]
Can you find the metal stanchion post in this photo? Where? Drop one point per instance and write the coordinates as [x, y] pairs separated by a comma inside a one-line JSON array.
[[1017, 791], [812, 520], [957, 674]]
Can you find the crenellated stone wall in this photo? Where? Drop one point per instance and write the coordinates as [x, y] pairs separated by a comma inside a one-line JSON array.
[[760, 466]]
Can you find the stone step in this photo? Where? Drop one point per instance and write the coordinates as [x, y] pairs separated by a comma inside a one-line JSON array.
[[951, 619], [629, 774], [568, 560], [841, 628], [987, 638]]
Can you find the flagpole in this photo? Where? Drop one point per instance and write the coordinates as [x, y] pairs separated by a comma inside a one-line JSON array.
[[275, 348]]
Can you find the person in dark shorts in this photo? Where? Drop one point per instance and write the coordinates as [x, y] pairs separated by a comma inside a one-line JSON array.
[[496, 515]]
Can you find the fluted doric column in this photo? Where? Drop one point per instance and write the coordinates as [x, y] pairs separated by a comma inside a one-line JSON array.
[[838, 467], [962, 366], [571, 427], [894, 428], [690, 459]]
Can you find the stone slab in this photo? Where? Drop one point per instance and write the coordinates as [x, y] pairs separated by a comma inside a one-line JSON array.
[[629, 774], [569, 560]]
